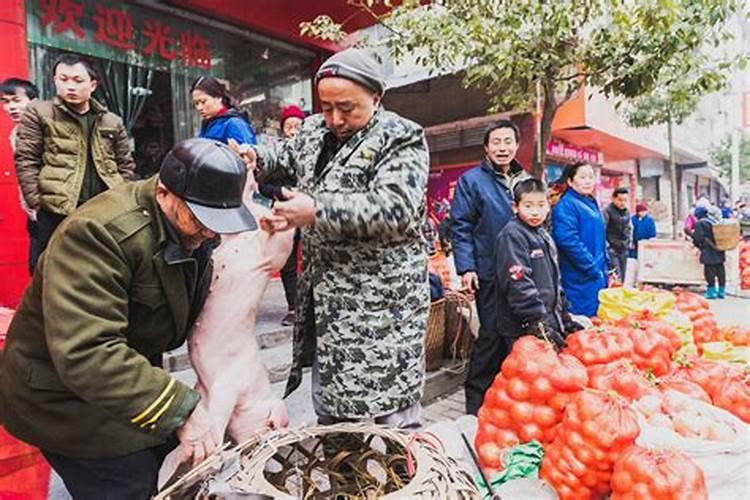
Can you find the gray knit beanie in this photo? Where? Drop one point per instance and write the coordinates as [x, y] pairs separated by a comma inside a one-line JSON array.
[[357, 65]]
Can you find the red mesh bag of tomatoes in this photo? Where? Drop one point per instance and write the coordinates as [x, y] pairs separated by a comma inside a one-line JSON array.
[[710, 375], [733, 395], [735, 335], [596, 429], [685, 386], [702, 318], [641, 474], [651, 351], [526, 399], [623, 378], [600, 345], [646, 320]]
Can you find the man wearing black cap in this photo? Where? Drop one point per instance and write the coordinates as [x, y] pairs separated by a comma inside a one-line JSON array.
[[122, 281], [363, 296]]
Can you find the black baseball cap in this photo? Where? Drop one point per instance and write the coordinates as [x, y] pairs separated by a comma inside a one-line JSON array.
[[210, 177]]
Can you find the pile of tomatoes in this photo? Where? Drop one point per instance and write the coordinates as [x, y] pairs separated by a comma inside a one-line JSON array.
[[703, 319], [657, 474], [527, 399], [597, 428], [745, 265], [648, 349]]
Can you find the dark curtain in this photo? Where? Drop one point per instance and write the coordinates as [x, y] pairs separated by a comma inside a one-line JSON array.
[[125, 89]]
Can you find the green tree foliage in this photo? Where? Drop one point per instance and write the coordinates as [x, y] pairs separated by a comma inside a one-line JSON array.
[[721, 156], [624, 48]]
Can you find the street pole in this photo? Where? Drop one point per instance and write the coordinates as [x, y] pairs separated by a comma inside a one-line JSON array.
[[673, 178], [734, 186]]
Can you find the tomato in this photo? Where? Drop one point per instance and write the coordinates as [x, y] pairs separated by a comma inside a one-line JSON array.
[[490, 455], [544, 416], [502, 400], [559, 401], [657, 474], [530, 431], [509, 368], [570, 374], [541, 389], [500, 418], [518, 389], [506, 438], [522, 411]]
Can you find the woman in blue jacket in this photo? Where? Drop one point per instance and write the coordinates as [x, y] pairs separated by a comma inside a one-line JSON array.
[[220, 112], [578, 231]]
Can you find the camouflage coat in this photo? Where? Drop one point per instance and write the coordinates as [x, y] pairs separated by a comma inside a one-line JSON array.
[[365, 262]]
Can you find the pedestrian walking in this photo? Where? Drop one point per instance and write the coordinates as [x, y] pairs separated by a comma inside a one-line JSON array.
[[711, 257], [222, 118], [16, 94], [480, 210], [644, 227], [619, 231], [69, 149], [578, 231], [123, 280], [363, 295], [529, 298]]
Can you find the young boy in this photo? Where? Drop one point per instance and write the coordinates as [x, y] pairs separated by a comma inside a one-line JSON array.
[[527, 278], [15, 95]]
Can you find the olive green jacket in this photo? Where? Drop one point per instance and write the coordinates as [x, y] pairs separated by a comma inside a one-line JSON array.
[[109, 294], [51, 153]]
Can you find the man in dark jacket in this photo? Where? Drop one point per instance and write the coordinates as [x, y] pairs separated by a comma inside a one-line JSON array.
[[481, 208], [122, 281], [69, 149], [530, 300], [619, 231]]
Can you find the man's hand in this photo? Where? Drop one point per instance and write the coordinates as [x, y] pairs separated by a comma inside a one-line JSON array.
[[246, 152], [470, 281], [197, 437], [298, 209]]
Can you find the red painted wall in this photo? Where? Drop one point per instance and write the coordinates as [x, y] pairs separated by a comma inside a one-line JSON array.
[[14, 243]]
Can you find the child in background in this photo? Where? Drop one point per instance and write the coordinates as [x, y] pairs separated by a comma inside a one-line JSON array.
[[529, 295]]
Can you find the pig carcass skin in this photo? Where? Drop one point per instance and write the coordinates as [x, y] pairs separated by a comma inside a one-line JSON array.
[[224, 351]]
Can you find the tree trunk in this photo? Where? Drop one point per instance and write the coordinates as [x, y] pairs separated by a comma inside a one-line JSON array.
[[548, 114], [673, 180]]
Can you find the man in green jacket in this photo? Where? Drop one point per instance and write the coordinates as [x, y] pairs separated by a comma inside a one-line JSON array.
[[69, 149], [122, 281]]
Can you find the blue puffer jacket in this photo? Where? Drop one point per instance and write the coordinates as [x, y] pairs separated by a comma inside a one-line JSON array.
[[231, 125], [480, 210], [578, 230]]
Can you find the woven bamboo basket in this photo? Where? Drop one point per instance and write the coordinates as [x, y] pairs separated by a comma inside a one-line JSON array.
[[348, 461], [435, 336], [727, 235]]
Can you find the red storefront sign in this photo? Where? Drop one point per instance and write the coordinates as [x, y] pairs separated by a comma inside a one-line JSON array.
[[120, 29]]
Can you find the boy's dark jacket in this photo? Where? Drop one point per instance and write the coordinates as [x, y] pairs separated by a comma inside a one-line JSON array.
[[527, 282]]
